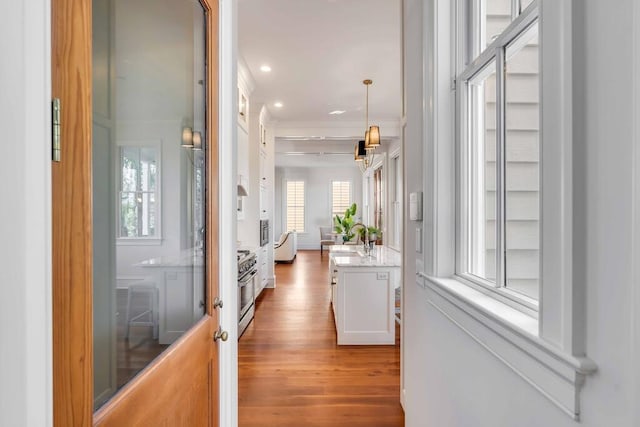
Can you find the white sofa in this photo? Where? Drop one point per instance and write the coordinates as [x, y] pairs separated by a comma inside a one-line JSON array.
[[286, 248]]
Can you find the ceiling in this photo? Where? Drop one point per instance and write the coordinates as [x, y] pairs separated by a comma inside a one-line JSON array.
[[319, 52]]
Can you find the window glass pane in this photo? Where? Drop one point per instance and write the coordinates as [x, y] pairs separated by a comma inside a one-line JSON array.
[[522, 192], [525, 4], [495, 16], [148, 169], [138, 212], [295, 206], [482, 179], [149, 82], [130, 164], [129, 215]]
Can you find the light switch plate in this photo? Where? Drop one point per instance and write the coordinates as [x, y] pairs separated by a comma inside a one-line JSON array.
[[383, 276], [415, 206]]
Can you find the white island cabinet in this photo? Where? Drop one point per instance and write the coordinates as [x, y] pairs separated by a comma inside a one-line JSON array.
[[363, 294], [181, 297]]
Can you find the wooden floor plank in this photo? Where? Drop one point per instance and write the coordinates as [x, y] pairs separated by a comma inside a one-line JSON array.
[[292, 373]]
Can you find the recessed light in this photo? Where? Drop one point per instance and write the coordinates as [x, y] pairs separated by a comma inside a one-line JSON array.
[[265, 69], [337, 112], [278, 104]]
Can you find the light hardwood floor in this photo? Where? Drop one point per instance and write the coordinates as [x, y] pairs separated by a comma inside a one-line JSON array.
[[292, 373]]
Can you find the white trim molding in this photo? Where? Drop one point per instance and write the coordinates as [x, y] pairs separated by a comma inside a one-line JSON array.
[[636, 208], [26, 367], [511, 336], [228, 153]]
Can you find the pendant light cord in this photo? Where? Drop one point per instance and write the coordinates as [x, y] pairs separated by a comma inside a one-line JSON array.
[[366, 122]]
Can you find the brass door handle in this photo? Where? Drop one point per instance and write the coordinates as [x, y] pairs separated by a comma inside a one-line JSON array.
[[217, 303], [220, 334]]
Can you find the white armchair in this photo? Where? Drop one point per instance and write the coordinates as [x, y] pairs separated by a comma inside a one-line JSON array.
[[327, 238], [286, 248]]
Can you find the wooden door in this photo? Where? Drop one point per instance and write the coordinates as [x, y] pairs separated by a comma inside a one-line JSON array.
[[180, 388]]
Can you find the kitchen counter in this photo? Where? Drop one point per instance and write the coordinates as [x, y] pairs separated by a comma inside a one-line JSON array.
[[186, 258], [355, 256]]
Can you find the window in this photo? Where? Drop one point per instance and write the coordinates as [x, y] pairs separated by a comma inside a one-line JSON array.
[[395, 192], [513, 112], [499, 114], [340, 197], [295, 206], [138, 196]]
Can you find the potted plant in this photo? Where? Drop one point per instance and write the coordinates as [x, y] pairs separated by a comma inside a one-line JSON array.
[[374, 233], [371, 233], [344, 224]]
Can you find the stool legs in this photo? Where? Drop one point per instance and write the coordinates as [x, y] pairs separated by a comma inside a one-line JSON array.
[[151, 292]]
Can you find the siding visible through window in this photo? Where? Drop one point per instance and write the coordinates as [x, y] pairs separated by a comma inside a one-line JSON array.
[[295, 206], [500, 241]]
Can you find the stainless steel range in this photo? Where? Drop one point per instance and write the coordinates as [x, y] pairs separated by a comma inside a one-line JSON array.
[[247, 272]]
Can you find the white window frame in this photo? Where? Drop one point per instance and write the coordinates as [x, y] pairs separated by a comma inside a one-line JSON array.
[[395, 199], [157, 238], [547, 348], [286, 205], [490, 59]]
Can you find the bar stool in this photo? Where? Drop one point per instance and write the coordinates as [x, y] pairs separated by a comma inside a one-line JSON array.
[[150, 291]]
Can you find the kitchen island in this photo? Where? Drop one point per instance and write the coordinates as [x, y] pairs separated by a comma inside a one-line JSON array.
[[363, 293]]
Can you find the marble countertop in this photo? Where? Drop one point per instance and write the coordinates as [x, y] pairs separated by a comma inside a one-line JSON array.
[[186, 258], [354, 256]]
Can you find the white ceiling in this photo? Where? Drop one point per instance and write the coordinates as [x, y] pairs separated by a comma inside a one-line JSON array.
[[319, 52]]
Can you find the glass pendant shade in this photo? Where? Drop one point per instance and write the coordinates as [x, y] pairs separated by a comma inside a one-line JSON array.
[[374, 137], [360, 152]]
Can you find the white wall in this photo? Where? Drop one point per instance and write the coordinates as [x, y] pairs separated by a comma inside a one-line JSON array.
[[450, 380], [145, 113], [25, 215], [317, 197]]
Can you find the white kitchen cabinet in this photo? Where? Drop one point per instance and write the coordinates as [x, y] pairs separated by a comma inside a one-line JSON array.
[[263, 270], [264, 171]]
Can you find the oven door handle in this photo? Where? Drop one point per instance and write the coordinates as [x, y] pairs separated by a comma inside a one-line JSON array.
[[247, 278]]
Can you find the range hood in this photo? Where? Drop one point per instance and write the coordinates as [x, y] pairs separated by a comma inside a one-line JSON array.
[[242, 191]]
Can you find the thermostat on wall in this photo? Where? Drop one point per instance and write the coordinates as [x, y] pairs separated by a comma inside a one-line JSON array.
[[415, 206]]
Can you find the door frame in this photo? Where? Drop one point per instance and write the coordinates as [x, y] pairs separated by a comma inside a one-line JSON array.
[[72, 371], [227, 172], [25, 308]]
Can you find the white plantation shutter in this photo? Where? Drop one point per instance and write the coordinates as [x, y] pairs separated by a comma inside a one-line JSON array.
[[341, 197], [295, 206]]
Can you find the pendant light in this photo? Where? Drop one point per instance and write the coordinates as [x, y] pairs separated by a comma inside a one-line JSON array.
[[364, 150]]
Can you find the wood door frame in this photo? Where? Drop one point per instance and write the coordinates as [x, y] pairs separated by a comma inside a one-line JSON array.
[[71, 31]]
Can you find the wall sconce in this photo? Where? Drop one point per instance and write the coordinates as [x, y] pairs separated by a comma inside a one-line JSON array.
[[187, 137], [191, 139], [197, 141]]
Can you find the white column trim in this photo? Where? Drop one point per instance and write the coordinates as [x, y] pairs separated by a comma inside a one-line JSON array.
[[228, 135], [26, 369], [635, 326]]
